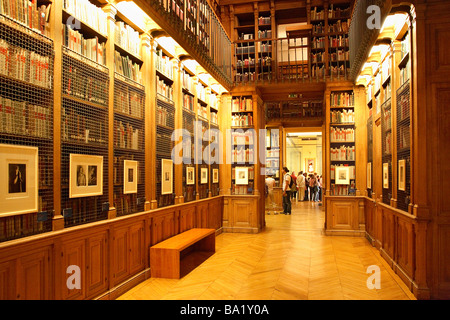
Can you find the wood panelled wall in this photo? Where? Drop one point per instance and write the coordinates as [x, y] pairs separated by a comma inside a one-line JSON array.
[[112, 255]]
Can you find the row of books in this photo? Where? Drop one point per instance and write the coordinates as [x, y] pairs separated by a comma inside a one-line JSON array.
[[164, 143], [403, 137], [238, 137], [241, 104], [386, 118], [270, 163], [338, 70], [82, 84], [126, 204], [126, 136], [241, 120], [344, 116], [246, 36], [342, 99], [188, 102], [21, 225], [317, 71], [250, 49], [127, 38], [213, 101], [245, 77], [339, 41], [403, 107], [351, 171], [87, 12], [128, 102], [202, 111], [238, 189], [343, 153], [387, 144], [201, 92], [25, 65], [76, 127], [45, 169], [90, 48], [163, 64], [386, 68], [263, 20], [241, 154], [342, 134], [20, 117], [319, 13], [264, 34], [339, 55], [318, 43], [405, 73], [343, 190], [164, 117], [188, 81], [247, 62], [214, 118], [82, 210], [339, 26], [164, 89], [125, 66], [27, 13]]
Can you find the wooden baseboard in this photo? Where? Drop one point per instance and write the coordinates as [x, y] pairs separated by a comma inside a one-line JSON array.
[[120, 289], [348, 233]]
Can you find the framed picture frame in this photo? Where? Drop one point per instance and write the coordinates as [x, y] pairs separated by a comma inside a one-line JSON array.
[[203, 175], [85, 175], [386, 175], [166, 176], [19, 182], [402, 175], [342, 175], [130, 176], [241, 176], [190, 175], [310, 166], [215, 175], [369, 175]]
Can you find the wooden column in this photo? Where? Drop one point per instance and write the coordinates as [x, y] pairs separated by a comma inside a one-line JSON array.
[[110, 49], [56, 35], [150, 124], [225, 122], [148, 80], [178, 101]]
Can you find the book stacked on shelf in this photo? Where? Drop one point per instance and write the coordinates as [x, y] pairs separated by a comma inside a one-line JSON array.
[[339, 26], [334, 13], [344, 116], [241, 104], [78, 84], [126, 67], [317, 14], [201, 92], [241, 120], [202, 111], [342, 134], [403, 137], [342, 99], [241, 155], [163, 64], [214, 118], [163, 116], [387, 143], [27, 13], [188, 102], [264, 34], [126, 137], [128, 102], [263, 21], [318, 28], [242, 138], [90, 48], [25, 65], [164, 89], [343, 190], [339, 41], [127, 38], [20, 117], [403, 106], [340, 55], [188, 82], [318, 43], [87, 12], [79, 128], [343, 153], [213, 101]]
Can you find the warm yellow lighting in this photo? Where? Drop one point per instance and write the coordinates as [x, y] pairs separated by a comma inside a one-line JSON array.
[[191, 65], [133, 13], [205, 77], [168, 44], [395, 20]]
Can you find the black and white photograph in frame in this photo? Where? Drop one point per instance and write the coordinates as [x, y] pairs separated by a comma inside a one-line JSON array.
[[130, 171], [342, 175], [241, 176], [166, 176], [204, 175], [85, 175], [190, 175], [386, 175], [215, 175], [19, 186], [402, 175]]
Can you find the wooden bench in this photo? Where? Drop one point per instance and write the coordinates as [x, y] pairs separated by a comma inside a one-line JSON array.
[[175, 257]]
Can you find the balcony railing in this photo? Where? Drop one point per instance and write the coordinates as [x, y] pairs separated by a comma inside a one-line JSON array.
[[290, 60], [196, 20]]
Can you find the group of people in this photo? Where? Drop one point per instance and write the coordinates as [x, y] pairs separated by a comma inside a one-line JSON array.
[[303, 187]]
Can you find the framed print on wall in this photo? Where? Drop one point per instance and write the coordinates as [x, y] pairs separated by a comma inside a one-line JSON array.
[[241, 176], [402, 175], [310, 165], [386, 175], [166, 176], [342, 175], [85, 175], [369, 175], [19, 186], [215, 174], [190, 175], [130, 168], [204, 175]]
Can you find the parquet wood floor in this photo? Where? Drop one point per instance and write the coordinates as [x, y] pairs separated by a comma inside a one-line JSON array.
[[291, 259]]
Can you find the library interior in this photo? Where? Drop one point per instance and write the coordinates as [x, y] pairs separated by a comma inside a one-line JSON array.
[[137, 139]]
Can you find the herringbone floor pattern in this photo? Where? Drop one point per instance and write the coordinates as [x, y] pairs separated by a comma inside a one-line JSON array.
[[290, 260]]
